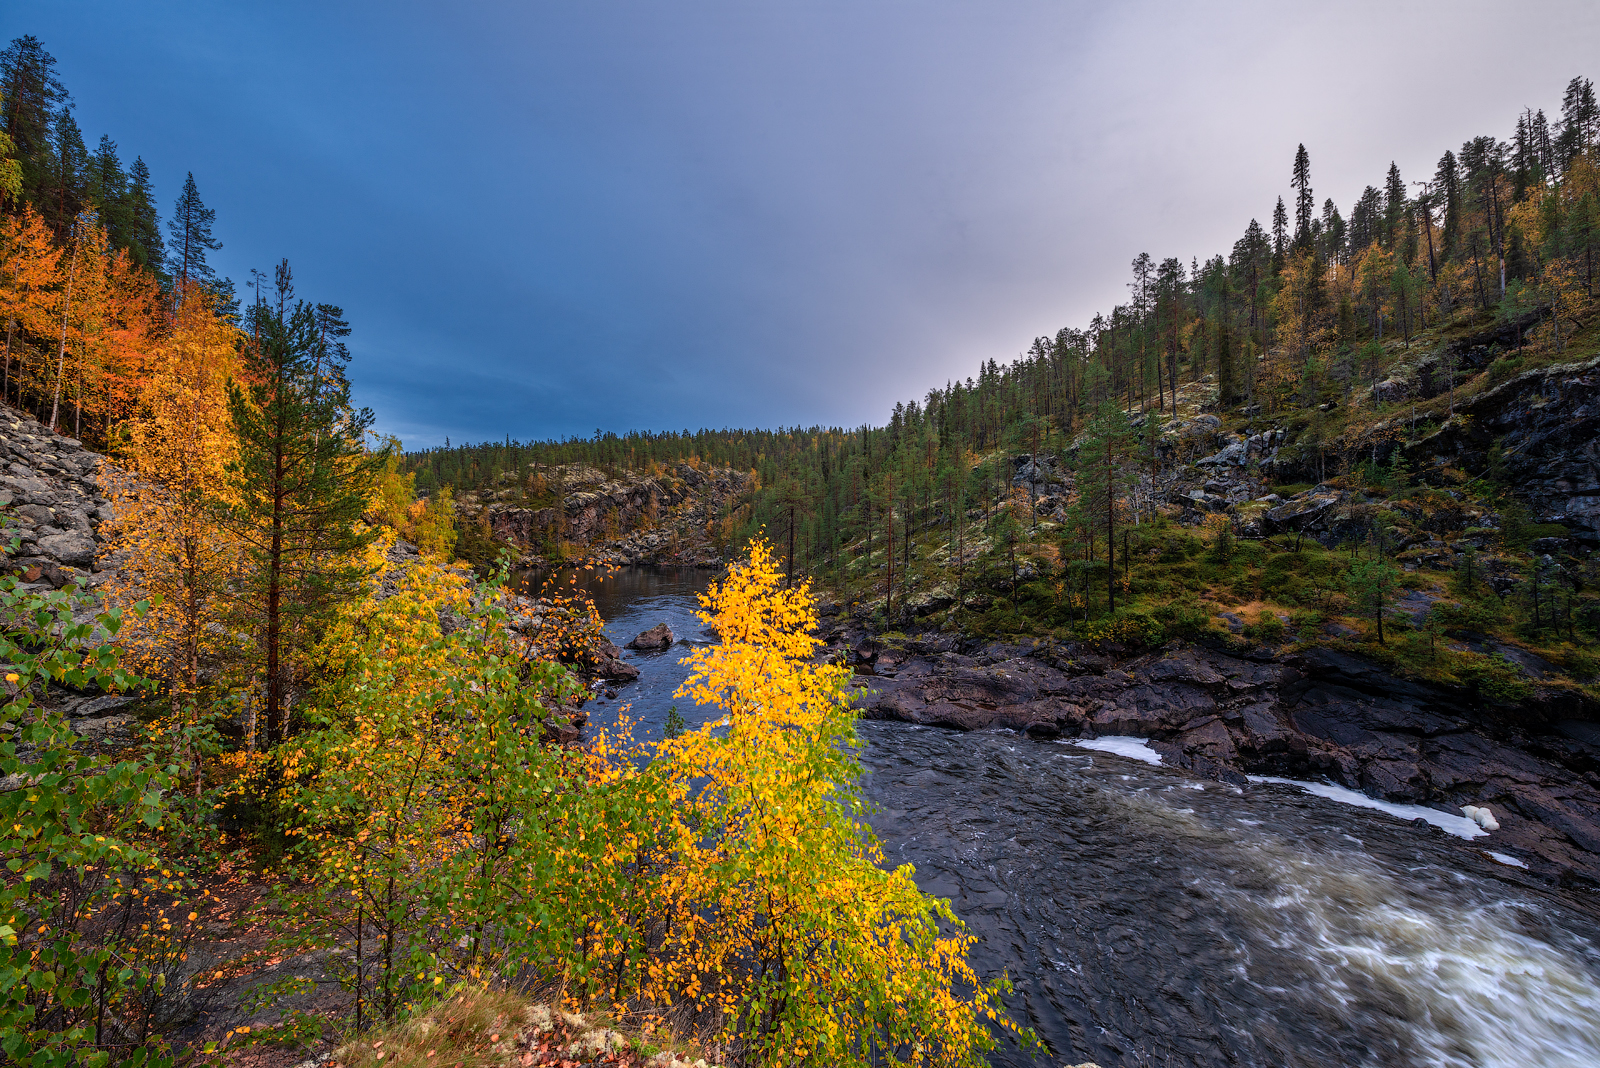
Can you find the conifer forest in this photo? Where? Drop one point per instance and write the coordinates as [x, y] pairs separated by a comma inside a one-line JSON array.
[[305, 757]]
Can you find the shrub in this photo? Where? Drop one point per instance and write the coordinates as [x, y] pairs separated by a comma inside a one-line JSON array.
[[1502, 369], [86, 946], [723, 874], [1269, 628], [1493, 676]]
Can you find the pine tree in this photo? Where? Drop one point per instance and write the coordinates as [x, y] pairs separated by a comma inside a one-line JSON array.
[[300, 484], [1227, 390], [1304, 202], [1580, 120], [1394, 205], [1249, 262], [33, 94], [190, 231], [1447, 180], [1280, 224], [144, 244]]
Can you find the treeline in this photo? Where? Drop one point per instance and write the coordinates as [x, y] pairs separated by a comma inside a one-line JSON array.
[[1299, 315]]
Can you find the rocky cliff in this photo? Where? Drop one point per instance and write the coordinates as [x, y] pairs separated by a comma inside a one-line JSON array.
[[580, 513], [1546, 423]]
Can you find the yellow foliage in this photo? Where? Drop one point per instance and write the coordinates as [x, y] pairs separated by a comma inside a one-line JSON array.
[[175, 448], [725, 875], [788, 877], [429, 523]]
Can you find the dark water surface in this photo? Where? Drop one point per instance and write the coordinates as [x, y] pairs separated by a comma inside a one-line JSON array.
[[1148, 918]]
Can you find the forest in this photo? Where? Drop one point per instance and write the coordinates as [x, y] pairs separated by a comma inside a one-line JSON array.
[[340, 736]]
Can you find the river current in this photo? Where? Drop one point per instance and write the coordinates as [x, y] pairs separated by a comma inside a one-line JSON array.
[[1147, 918]]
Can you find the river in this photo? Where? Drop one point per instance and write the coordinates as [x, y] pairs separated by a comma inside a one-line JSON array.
[[1151, 919]]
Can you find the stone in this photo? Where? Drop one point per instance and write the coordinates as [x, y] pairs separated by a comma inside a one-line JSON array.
[[1300, 513], [659, 636], [100, 706], [71, 548], [617, 670]]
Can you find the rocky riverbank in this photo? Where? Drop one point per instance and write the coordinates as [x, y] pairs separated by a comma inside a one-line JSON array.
[[1317, 713]]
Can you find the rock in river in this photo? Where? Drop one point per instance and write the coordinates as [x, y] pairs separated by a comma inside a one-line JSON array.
[[659, 636]]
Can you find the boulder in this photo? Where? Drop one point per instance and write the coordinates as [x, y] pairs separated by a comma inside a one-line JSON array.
[[615, 669], [73, 548], [1300, 513], [659, 636]]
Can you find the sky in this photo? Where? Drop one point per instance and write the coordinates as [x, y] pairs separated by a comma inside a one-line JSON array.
[[548, 219]]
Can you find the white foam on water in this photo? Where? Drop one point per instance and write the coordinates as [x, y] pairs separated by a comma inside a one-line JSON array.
[[1505, 858], [1122, 745], [1474, 987], [1460, 826]]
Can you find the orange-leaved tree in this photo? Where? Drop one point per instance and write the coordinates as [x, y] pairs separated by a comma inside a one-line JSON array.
[[175, 448]]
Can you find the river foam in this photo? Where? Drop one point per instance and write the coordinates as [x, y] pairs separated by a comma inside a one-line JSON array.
[[1122, 745], [1460, 826]]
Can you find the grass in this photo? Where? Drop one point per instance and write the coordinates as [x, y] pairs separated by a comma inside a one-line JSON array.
[[490, 1029]]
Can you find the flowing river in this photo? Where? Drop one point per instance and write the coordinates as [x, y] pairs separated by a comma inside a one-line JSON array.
[[1150, 919]]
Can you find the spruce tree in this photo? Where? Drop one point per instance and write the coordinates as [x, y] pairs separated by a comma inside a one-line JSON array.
[[1304, 202], [1280, 225], [299, 486], [1394, 204], [144, 243], [108, 192], [68, 189]]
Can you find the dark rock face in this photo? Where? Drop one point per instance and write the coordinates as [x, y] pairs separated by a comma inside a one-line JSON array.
[[659, 636], [626, 519], [1548, 424], [1316, 714]]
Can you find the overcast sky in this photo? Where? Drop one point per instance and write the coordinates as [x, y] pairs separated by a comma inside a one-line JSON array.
[[545, 219]]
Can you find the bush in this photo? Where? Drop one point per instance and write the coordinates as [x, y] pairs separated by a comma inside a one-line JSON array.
[[1183, 620], [1269, 628], [1502, 369], [722, 875], [1494, 676], [1133, 628], [87, 945]]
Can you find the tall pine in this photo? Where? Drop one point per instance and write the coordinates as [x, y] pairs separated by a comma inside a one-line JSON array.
[[190, 232], [301, 482], [33, 94]]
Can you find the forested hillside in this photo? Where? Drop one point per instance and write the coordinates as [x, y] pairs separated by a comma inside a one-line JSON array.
[[1301, 323]]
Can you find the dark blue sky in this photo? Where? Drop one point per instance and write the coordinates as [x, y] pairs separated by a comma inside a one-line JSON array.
[[545, 219]]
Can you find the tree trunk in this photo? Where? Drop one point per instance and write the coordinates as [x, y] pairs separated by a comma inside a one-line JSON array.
[[276, 727], [61, 353]]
